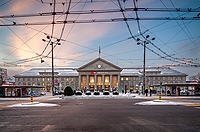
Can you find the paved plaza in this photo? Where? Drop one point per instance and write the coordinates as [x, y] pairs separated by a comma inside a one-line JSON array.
[[125, 113]]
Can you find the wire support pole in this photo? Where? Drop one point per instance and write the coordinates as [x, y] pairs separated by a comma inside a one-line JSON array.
[[52, 62], [144, 68], [144, 43], [52, 47]]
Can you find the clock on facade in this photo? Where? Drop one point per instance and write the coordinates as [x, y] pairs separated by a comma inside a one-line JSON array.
[[99, 66]]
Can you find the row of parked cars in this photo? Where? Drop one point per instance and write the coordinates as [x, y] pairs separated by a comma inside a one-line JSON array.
[[78, 92]]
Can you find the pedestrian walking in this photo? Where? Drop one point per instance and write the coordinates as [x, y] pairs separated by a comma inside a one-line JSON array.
[[168, 92], [150, 91], [146, 92]]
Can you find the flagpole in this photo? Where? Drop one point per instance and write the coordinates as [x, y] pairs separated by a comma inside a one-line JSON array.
[[99, 51]]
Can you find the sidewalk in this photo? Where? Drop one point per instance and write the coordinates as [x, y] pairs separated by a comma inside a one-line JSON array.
[[49, 96]]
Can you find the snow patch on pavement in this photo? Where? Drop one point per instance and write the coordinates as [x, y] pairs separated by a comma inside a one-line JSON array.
[[161, 102], [33, 104]]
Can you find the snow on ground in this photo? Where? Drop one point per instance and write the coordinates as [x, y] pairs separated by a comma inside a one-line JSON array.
[[101, 96], [33, 104], [161, 102]]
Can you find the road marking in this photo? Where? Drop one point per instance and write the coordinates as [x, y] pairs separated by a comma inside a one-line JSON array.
[[3, 107], [48, 128], [197, 107], [193, 105]]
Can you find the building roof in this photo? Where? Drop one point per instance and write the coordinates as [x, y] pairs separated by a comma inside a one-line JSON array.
[[104, 65], [48, 71], [151, 70], [125, 72]]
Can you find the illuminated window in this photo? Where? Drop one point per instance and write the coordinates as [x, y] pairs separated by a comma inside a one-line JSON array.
[[107, 79]]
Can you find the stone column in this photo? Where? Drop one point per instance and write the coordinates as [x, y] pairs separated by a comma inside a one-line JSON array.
[[103, 87], [118, 80], [87, 82], [95, 81], [110, 82], [79, 80]]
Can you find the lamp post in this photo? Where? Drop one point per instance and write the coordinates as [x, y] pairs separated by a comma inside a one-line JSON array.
[[144, 42], [56, 42]]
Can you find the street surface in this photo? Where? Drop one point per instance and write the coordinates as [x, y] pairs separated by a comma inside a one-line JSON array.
[[100, 115]]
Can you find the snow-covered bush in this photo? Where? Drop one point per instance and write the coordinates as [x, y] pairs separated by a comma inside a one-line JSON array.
[[68, 91]]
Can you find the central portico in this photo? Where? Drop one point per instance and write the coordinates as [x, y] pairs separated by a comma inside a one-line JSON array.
[[99, 74]]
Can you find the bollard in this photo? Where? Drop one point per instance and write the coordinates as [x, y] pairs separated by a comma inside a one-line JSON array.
[[159, 96], [31, 99]]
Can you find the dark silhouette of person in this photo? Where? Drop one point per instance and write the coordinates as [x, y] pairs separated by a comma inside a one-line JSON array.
[[146, 92], [168, 92], [150, 91]]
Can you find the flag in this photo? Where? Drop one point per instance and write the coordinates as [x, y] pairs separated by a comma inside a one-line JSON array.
[[99, 51]]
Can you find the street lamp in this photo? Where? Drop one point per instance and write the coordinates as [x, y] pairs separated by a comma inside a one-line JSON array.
[[144, 42], [56, 42]]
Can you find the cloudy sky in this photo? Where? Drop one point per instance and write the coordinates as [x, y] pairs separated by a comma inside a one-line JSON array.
[[174, 24]]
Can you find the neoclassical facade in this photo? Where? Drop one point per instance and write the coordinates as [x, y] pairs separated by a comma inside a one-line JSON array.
[[99, 74]]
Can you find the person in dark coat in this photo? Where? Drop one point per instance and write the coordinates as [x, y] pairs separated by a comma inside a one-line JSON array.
[[146, 92], [150, 91], [168, 92]]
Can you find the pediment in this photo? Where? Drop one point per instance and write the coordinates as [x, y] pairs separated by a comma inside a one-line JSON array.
[[99, 64]]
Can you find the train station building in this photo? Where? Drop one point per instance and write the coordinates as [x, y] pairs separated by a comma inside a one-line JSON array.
[[99, 74]]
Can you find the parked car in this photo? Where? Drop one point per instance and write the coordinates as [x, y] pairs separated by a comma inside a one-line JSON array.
[[42, 93], [87, 92], [78, 93]]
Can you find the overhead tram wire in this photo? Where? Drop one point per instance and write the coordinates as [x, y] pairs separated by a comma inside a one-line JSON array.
[[170, 55], [5, 3], [20, 39], [73, 24], [61, 31], [182, 28], [86, 1], [39, 56], [66, 16], [173, 58], [151, 42], [125, 19], [99, 21], [187, 10], [190, 37]]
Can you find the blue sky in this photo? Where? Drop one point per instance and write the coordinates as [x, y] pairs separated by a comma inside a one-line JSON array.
[[176, 43]]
